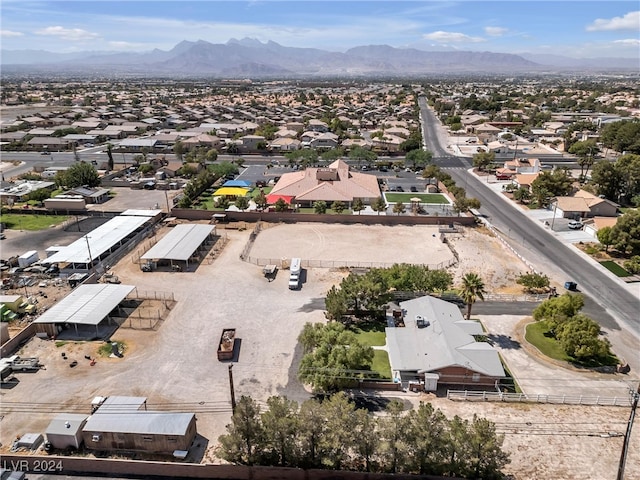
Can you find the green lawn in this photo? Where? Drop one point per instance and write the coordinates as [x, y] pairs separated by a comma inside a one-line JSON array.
[[424, 197], [614, 268], [381, 363], [371, 334], [537, 334], [16, 221]]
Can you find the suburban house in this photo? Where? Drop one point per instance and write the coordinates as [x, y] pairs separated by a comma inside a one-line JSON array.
[[284, 144], [333, 183], [525, 180], [90, 195], [594, 224], [584, 204], [523, 165], [432, 342], [251, 142]]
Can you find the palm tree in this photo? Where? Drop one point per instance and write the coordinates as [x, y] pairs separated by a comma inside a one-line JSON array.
[[472, 289]]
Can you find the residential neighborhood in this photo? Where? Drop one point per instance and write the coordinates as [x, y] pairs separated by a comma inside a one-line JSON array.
[[143, 224]]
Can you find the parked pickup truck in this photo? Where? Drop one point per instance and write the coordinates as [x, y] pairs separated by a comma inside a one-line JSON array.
[[227, 344]]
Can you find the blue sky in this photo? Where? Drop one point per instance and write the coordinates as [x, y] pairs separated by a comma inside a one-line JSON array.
[[574, 28]]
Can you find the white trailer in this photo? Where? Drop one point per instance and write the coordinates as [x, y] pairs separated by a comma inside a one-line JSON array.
[[28, 258], [294, 274]]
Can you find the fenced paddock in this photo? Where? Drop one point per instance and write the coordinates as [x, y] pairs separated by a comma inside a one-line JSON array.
[[357, 246], [471, 396], [146, 311]]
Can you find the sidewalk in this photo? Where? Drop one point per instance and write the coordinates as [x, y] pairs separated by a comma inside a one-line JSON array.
[[568, 237]]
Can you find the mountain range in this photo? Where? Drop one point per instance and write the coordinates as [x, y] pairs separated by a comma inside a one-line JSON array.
[[254, 59]]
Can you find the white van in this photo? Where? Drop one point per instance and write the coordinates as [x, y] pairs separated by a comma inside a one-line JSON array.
[[294, 274]]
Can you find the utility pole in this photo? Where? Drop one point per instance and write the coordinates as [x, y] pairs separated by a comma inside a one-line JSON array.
[[231, 390], [627, 435]]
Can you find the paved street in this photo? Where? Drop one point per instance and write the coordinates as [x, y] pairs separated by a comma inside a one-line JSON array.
[[614, 305]]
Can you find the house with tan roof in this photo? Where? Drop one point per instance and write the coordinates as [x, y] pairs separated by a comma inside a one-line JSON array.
[[525, 179], [594, 224], [584, 204], [333, 183], [284, 144]]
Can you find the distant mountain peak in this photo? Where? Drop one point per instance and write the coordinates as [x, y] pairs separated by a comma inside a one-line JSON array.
[[249, 57]]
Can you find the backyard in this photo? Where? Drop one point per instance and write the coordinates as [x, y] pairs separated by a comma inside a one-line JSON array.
[[432, 198]]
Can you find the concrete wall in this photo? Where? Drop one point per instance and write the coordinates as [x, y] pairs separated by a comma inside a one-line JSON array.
[[22, 337], [70, 465]]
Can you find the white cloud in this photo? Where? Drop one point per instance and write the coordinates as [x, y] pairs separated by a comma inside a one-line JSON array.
[[631, 21], [120, 45], [72, 34], [451, 37], [495, 31], [9, 33], [628, 41]]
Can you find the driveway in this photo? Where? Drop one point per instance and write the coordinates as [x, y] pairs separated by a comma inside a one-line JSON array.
[[535, 375]]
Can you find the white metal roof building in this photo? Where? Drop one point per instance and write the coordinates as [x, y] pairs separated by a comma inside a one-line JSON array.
[[180, 243], [86, 305], [436, 338], [99, 243]]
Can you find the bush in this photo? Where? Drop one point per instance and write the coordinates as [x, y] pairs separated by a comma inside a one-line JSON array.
[[632, 265], [533, 281]]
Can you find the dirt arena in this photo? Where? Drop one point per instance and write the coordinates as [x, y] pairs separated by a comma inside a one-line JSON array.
[[377, 244]]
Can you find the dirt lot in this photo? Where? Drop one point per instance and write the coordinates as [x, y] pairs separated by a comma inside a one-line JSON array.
[[175, 366]]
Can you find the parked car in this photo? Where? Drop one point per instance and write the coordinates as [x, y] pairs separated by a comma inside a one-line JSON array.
[[413, 188], [399, 189], [575, 225]]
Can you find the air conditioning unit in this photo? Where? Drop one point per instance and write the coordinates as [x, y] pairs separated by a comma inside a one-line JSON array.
[[421, 322]]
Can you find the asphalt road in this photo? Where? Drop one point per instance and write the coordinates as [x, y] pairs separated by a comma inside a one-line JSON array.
[[539, 246]]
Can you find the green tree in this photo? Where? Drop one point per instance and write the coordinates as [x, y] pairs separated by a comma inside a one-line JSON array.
[[332, 154], [419, 158], [366, 292], [629, 168], [331, 353], [339, 419], [605, 237], [336, 304], [260, 200], [338, 206], [533, 281], [551, 184], [358, 205], [632, 265], [366, 439], [579, 337], [457, 447], [486, 457], [244, 440], [280, 425], [626, 233], [281, 205], [482, 160], [607, 179], [211, 155], [522, 195], [379, 205], [312, 431], [78, 175], [360, 154], [242, 203], [472, 289], [425, 431], [622, 136], [558, 310], [392, 432], [178, 150], [110, 163], [586, 151], [399, 208], [224, 169], [320, 207]]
